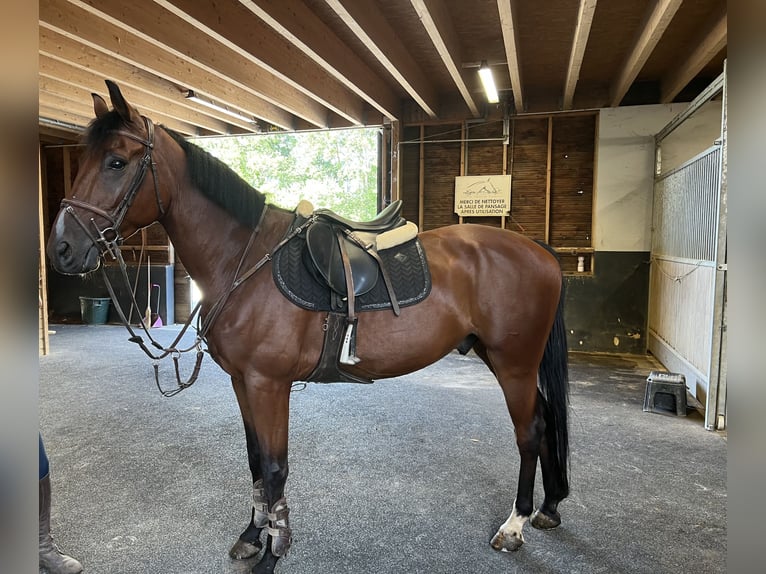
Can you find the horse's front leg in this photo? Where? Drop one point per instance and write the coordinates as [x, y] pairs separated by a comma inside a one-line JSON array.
[[249, 542], [269, 406]]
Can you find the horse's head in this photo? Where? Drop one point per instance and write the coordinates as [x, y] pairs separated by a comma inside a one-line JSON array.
[[111, 196]]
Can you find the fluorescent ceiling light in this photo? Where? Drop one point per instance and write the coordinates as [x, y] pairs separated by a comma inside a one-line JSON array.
[[485, 73], [213, 106]]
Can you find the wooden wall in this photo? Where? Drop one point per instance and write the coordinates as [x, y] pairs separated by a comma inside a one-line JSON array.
[[551, 162]]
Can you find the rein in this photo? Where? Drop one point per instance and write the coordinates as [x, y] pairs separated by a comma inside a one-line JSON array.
[[108, 239]]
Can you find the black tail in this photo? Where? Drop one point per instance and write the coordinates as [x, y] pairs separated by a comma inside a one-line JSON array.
[[554, 387]]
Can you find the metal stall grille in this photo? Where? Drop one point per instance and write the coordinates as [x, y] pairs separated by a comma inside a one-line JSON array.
[[687, 285], [683, 266], [685, 219]]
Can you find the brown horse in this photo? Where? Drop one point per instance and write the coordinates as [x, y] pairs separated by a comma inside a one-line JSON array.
[[491, 290]]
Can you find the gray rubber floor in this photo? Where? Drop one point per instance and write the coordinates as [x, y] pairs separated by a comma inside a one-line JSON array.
[[412, 474]]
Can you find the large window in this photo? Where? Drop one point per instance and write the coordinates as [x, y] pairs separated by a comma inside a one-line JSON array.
[[331, 169]]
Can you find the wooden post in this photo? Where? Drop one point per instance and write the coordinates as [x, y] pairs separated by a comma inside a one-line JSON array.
[[421, 178], [548, 182], [462, 158], [395, 137], [67, 163], [42, 286], [505, 172]]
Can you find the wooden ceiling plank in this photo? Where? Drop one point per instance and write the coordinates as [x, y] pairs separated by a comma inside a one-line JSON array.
[[85, 109], [62, 77], [367, 22], [711, 44], [153, 23], [656, 22], [56, 50], [440, 29], [69, 81], [511, 44], [303, 29], [116, 42], [236, 28], [582, 31], [46, 112]]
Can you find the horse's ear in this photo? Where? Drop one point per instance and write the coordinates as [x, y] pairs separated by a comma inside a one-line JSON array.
[[127, 113], [99, 106]]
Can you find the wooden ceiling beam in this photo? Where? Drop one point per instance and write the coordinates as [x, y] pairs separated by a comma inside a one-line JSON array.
[[68, 81], [153, 23], [367, 22], [91, 68], [711, 44], [62, 78], [440, 29], [232, 25], [295, 22], [113, 40], [74, 122], [656, 21], [511, 45], [582, 31], [84, 109]]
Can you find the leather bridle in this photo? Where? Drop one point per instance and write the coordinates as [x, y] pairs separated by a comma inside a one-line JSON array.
[[108, 239]]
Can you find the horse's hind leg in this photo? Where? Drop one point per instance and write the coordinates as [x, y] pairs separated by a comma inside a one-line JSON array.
[[519, 386], [554, 481], [529, 428], [537, 439]]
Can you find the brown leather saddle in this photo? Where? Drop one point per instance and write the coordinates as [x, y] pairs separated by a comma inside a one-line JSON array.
[[345, 253], [346, 267]]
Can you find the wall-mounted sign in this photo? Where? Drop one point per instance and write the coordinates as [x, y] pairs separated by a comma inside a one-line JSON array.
[[483, 195]]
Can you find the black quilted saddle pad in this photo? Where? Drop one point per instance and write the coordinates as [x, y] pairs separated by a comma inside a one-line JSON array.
[[406, 265]]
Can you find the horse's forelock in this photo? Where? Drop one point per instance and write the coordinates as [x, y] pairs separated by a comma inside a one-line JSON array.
[[100, 129]]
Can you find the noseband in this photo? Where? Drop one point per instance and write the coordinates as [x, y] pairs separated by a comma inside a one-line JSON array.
[[108, 239]]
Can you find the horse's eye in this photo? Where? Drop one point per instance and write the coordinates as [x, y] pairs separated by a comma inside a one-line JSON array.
[[116, 164]]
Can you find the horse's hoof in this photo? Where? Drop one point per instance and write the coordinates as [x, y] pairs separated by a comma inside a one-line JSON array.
[[243, 549], [503, 542], [267, 565], [543, 521]]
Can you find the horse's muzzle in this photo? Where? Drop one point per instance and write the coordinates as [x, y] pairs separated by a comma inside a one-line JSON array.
[[69, 260]]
